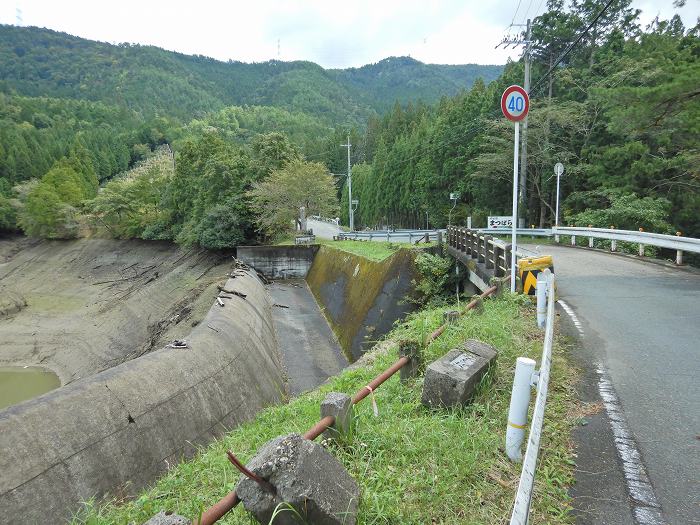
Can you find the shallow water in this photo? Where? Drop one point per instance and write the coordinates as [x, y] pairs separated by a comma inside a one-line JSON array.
[[18, 384]]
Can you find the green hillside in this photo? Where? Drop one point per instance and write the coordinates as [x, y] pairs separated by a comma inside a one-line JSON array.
[[41, 62]]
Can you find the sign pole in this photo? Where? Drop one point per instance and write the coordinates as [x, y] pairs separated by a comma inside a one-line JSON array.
[[514, 234], [515, 104]]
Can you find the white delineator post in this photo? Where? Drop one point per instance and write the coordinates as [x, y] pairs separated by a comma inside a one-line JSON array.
[[519, 403], [541, 294], [514, 233]]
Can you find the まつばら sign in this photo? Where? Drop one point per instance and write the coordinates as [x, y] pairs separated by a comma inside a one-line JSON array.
[[515, 103]]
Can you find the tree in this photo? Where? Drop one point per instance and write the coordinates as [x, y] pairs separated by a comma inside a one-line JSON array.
[[277, 199]]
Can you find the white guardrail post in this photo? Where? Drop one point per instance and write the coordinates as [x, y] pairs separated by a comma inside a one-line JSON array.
[[521, 507], [541, 295], [519, 403]]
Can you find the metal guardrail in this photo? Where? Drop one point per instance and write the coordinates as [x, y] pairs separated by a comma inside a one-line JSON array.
[[523, 496], [391, 235], [673, 242], [524, 232]]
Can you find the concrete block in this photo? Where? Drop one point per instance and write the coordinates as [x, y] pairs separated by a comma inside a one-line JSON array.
[[452, 379], [410, 349], [306, 477], [450, 316], [339, 406], [167, 519]]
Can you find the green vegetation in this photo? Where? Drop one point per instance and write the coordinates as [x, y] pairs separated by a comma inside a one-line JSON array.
[[374, 251], [414, 466], [277, 199], [152, 81], [621, 115]]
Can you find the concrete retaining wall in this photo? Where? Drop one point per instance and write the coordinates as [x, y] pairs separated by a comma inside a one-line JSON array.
[[118, 430], [361, 298], [278, 262]]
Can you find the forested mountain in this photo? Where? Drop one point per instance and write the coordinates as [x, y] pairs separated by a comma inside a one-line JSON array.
[[40, 62], [404, 79], [622, 113]]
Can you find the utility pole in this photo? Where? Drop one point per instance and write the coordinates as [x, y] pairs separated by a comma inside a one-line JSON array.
[[518, 41], [351, 214], [523, 147]]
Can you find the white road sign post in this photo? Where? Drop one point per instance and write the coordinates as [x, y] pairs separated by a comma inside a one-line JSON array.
[[515, 104], [558, 170]]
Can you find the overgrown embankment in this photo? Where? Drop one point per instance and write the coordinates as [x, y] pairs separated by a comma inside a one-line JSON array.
[[361, 298], [414, 466]]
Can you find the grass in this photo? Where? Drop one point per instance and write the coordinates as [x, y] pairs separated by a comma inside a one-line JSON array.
[[414, 465], [375, 251]]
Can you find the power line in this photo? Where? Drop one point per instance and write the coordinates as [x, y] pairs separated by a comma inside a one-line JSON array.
[[516, 13], [570, 47]]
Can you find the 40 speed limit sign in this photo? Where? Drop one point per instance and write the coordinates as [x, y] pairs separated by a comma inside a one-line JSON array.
[[515, 103]]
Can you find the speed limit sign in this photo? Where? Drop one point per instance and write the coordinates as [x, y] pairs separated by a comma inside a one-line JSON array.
[[515, 103]]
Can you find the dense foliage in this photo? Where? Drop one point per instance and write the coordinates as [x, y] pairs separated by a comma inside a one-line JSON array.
[[88, 131], [621, 113], [152, 81]]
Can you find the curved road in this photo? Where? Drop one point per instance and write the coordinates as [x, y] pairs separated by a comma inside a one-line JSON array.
[[639, 323]]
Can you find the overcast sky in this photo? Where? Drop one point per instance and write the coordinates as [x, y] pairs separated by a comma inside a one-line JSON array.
[[328, 32]]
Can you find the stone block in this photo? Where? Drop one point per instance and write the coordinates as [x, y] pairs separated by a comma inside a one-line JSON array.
[[339, 406], [307, 478], [450, 316], [167, 519], [452, 379], [410, 349]]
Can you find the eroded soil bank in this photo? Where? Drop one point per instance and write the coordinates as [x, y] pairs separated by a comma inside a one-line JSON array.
[[80, 307]]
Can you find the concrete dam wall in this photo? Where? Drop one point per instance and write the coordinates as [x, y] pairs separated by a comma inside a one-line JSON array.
[[115, 431], [362, 298]]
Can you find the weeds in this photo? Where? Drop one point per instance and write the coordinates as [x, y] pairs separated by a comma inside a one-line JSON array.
[[414, 465]]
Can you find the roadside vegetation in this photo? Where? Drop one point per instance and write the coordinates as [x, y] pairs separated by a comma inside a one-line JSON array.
[[414, 465], [620, 113]]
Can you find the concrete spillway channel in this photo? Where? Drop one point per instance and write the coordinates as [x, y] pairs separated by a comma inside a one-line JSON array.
[[99, 314]]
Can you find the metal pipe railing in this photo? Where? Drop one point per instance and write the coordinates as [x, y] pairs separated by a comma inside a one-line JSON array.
[[523, 495], [228, 502]]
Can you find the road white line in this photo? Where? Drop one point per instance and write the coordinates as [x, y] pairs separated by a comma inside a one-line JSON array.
[[571, 314], [645, 507]]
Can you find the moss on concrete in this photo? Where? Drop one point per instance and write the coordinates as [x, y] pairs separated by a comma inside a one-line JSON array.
[[361, 298]]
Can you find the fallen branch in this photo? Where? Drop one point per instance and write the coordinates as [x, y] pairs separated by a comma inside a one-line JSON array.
[[233, 292], [280, 305]]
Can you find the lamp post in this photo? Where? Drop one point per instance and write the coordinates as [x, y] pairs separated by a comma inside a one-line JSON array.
[[558, 171], [453, 197]]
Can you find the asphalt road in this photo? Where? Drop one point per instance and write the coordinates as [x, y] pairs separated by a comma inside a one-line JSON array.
[[323, 230], [639, 322]]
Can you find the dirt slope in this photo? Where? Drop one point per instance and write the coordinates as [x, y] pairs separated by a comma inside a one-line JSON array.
[[80, 307]]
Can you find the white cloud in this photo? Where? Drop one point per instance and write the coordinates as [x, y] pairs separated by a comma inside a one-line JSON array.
[[329, 32]]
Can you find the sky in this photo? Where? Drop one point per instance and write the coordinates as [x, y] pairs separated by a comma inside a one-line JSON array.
[[331, 33]]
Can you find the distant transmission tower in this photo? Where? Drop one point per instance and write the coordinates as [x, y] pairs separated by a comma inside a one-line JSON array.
[[278, 49], [18, 16]]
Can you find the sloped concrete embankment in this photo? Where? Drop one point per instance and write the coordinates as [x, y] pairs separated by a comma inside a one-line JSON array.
[[362, 298], [117, 430]]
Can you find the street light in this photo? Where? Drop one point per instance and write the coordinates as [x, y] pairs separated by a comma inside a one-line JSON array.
[[558, 171], [454, 197]]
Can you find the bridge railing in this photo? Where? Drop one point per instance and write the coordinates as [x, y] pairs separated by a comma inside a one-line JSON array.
[[391, 235], [494, 253], [673, 242]]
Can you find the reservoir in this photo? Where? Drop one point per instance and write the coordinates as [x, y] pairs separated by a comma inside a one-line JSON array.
[[18, 384]]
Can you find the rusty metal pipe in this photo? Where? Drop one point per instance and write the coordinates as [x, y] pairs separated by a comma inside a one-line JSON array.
[[219, 509], [364, 391], [319, 428]]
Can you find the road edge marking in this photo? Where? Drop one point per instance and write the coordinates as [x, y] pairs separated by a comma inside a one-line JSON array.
[[646, 509], [570, 312]]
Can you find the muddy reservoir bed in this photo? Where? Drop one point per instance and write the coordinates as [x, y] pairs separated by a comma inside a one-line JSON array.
[[80, 307]]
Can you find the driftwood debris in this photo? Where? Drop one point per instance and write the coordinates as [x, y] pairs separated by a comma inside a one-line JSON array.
[[232, 292], [219, 301], [280, 305]]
